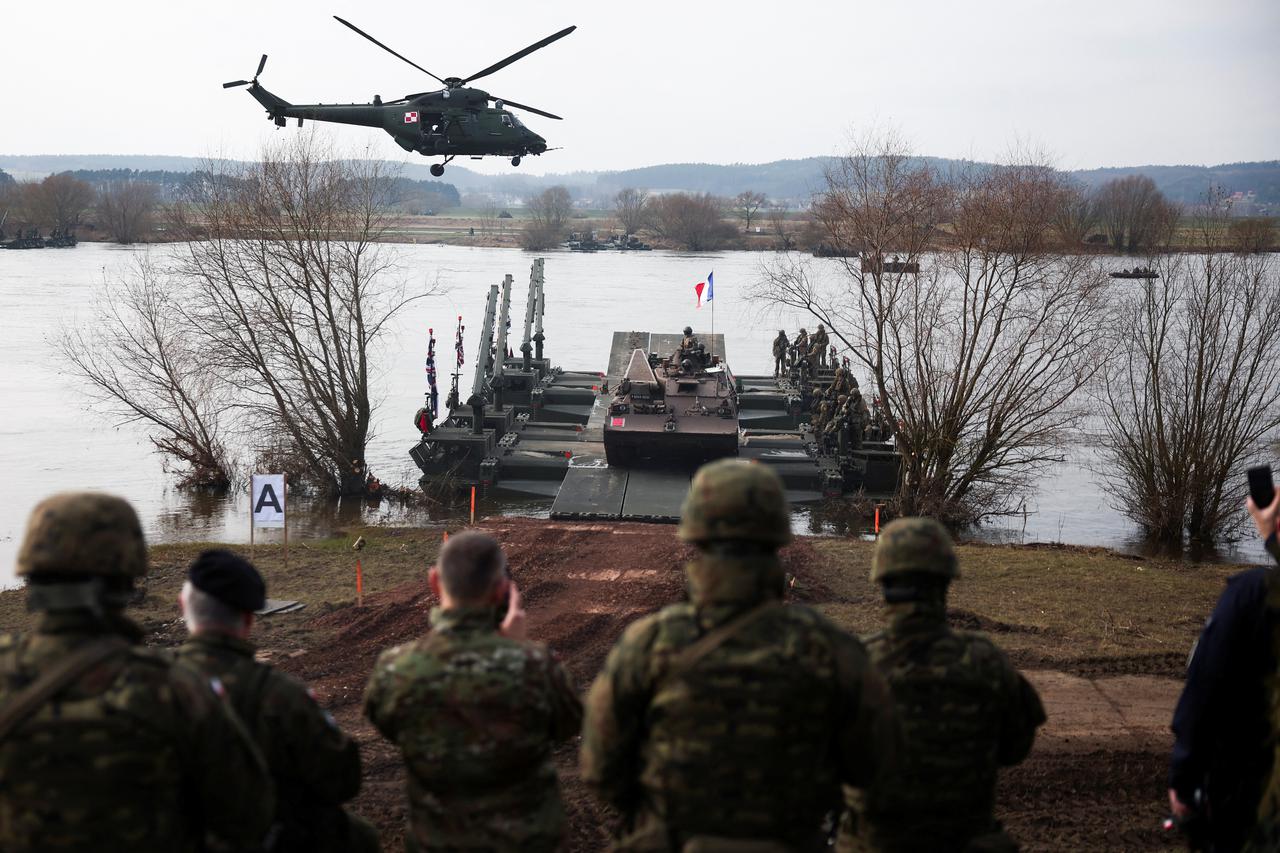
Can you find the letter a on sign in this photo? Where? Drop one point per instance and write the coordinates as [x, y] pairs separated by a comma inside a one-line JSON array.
[[267, 492]]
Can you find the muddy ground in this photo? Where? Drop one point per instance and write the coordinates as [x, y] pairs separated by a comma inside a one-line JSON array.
[[1102, 636]]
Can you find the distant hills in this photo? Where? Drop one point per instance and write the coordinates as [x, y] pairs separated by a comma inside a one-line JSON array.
[[790, 180]]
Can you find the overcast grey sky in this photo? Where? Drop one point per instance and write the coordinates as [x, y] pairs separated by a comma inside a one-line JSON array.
[[1120, 82]]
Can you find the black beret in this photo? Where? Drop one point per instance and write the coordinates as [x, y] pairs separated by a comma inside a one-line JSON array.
[[229, 578]]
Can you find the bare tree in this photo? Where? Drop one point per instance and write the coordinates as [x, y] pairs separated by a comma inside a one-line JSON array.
[[631, 206], [59, 201], [1252, 234], [146, 367], [549, 213], [691, 221], [1076, 215], [1190, 398], [489, 218], [980, 356], [10, 206], [784, 237], [745, 206], [289, 295], [1136, 215], [126, 210]]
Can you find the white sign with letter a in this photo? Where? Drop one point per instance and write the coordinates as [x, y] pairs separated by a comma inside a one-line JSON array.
[[267, 493]]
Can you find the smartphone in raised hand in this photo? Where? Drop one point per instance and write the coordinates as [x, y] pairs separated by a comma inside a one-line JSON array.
[[1261, 487]]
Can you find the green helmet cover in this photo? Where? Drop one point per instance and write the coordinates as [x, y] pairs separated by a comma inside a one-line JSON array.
[[914, 545], [732, 499], [83, 533]]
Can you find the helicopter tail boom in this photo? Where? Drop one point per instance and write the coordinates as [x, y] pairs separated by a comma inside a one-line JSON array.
[[276, 106]]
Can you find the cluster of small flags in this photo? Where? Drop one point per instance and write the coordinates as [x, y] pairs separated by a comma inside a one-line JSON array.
[[432, 392], [457, 344]]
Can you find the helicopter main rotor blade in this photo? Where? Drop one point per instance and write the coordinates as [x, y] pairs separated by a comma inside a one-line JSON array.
[[235, 83], [526, 108], [262, 63], [352, 26], [520, 55]]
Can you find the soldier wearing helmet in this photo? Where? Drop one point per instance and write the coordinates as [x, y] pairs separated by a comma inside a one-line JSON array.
[[734, 715], [964, 710], [818, 346], [106, 745], [689, 346], [780, 344]]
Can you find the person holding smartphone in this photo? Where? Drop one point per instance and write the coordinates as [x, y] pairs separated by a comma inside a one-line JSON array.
[[475, 710], [1221, 753]]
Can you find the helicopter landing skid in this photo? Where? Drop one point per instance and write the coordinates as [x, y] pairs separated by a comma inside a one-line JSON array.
[[437, 169]]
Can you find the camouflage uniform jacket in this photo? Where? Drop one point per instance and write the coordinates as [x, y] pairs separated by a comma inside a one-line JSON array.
[[755, 738], [137, 754], [818, 342], [475, 715], [780, 346], [965, 711], [314, 765]]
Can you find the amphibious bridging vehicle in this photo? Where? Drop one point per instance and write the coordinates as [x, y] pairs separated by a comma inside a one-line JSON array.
[[624, 443]]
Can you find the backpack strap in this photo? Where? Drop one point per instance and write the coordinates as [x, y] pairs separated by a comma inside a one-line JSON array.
[[688, 657], [28, 701]]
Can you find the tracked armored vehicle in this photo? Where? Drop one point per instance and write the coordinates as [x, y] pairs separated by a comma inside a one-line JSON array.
[[682, 410]]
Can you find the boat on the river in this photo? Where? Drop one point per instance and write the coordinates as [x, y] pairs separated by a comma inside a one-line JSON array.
[[30, 240], [1136, 272]]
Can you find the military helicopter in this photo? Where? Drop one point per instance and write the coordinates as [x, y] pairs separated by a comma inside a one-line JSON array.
[[454, 121]]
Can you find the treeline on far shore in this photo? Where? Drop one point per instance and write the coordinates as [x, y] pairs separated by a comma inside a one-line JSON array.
[[129, 205]]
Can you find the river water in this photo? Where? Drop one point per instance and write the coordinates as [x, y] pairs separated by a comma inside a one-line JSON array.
[[52, 438]]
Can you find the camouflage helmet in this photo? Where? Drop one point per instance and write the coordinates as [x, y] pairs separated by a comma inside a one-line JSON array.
[[732, 499], [915, 545], [83, 533], [688, 330]]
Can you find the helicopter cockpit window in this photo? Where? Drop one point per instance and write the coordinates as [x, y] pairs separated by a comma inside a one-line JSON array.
[[506, 119], [515, 121]]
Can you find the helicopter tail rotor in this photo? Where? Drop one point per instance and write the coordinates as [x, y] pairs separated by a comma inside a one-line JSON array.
[[262, 63]]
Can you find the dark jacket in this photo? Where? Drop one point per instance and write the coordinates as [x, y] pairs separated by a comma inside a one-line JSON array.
[[1220, 724], [314, 765]]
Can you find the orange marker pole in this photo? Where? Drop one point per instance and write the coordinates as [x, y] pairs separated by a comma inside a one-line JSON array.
[[359, 584], [473, 506], [877, 521]]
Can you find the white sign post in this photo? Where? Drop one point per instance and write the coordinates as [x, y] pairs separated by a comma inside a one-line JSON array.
[[267, 496]]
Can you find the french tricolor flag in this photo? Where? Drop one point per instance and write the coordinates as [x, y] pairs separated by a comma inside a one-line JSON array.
[[709, 286]]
